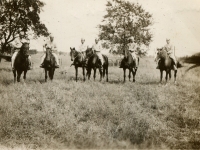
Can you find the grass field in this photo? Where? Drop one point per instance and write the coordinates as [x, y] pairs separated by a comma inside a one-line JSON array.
[[93, 114]]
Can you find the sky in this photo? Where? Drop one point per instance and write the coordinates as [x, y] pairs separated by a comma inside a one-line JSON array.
[[69, 21]]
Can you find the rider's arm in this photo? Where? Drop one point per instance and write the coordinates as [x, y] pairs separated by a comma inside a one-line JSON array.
[[55, 47], [93, 47], [79, 48], [100, 47]]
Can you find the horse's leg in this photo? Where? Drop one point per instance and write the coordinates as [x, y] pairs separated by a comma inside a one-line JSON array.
[[76, 68], [107, 73], [161, 75], [166, 77], [52, 74], [175, 73], [133, 73], [104, 71], [14, 73], [24, 77], [89, 73], [45, 75], [19, 72], [124, 74], [100, 71], [83, 73], [129, 76], [94, 73], [170, 75]]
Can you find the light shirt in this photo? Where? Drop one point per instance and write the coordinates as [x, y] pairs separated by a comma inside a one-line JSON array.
[[97, 47], [17, 43], [82, 48], [169, 48], [132, 46], [51, 45]]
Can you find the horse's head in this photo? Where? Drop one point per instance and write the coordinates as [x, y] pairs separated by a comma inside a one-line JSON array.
[[24, 49], [89, 52], [73, 53], [160, 53], [48, 53]]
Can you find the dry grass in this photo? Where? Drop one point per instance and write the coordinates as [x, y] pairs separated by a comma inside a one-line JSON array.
[[93, 114]]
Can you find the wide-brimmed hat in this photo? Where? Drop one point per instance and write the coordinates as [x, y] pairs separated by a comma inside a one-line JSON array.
[[167, 39], [83, 39]]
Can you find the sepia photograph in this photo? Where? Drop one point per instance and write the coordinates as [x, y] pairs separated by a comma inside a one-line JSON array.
[[99, 74]]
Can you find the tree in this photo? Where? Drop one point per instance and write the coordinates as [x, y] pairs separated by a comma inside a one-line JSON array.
[[20, 16], [123, 21]]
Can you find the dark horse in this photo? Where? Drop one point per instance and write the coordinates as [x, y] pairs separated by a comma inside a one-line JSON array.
[[165, 64], [95, 63], [21, 63], [49, 64], [129, 63], [79, 61]]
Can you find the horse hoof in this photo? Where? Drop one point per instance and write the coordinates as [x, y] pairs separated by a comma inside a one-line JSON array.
[[133, 80]]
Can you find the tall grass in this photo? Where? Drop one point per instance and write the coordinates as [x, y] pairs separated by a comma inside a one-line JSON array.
[[93, 114]]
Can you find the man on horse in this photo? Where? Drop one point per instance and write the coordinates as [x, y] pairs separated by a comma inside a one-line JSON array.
[[170, 51], [82, 50], [97, 48], [52, 46], [132, 49], [17, 44]]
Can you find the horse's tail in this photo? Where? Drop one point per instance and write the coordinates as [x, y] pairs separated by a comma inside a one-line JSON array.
[[179, 64], [138, 59]]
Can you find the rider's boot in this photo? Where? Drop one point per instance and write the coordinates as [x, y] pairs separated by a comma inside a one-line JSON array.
[[42, 65], [174, 67], [158, 65], [30, 67]]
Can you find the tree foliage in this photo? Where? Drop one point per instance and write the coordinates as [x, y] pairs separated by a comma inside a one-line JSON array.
[[20, 16], [123, 21]]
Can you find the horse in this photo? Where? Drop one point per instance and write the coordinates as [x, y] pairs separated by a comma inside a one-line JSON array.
[[165, 64], [79, 61], [129, 63], [94, 63], [49, 64], [21, 62]]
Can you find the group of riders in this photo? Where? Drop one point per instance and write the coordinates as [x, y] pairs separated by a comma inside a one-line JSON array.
[[96, 47]]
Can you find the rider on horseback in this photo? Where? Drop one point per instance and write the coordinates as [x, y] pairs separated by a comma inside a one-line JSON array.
[[17, 44], [82, 49], [132, 49], [169, 48], [97, 49], [50, 45]]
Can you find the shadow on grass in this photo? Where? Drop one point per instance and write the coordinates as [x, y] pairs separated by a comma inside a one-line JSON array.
[[5, 69], [73, 78], [7, 82], [151, 83]]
